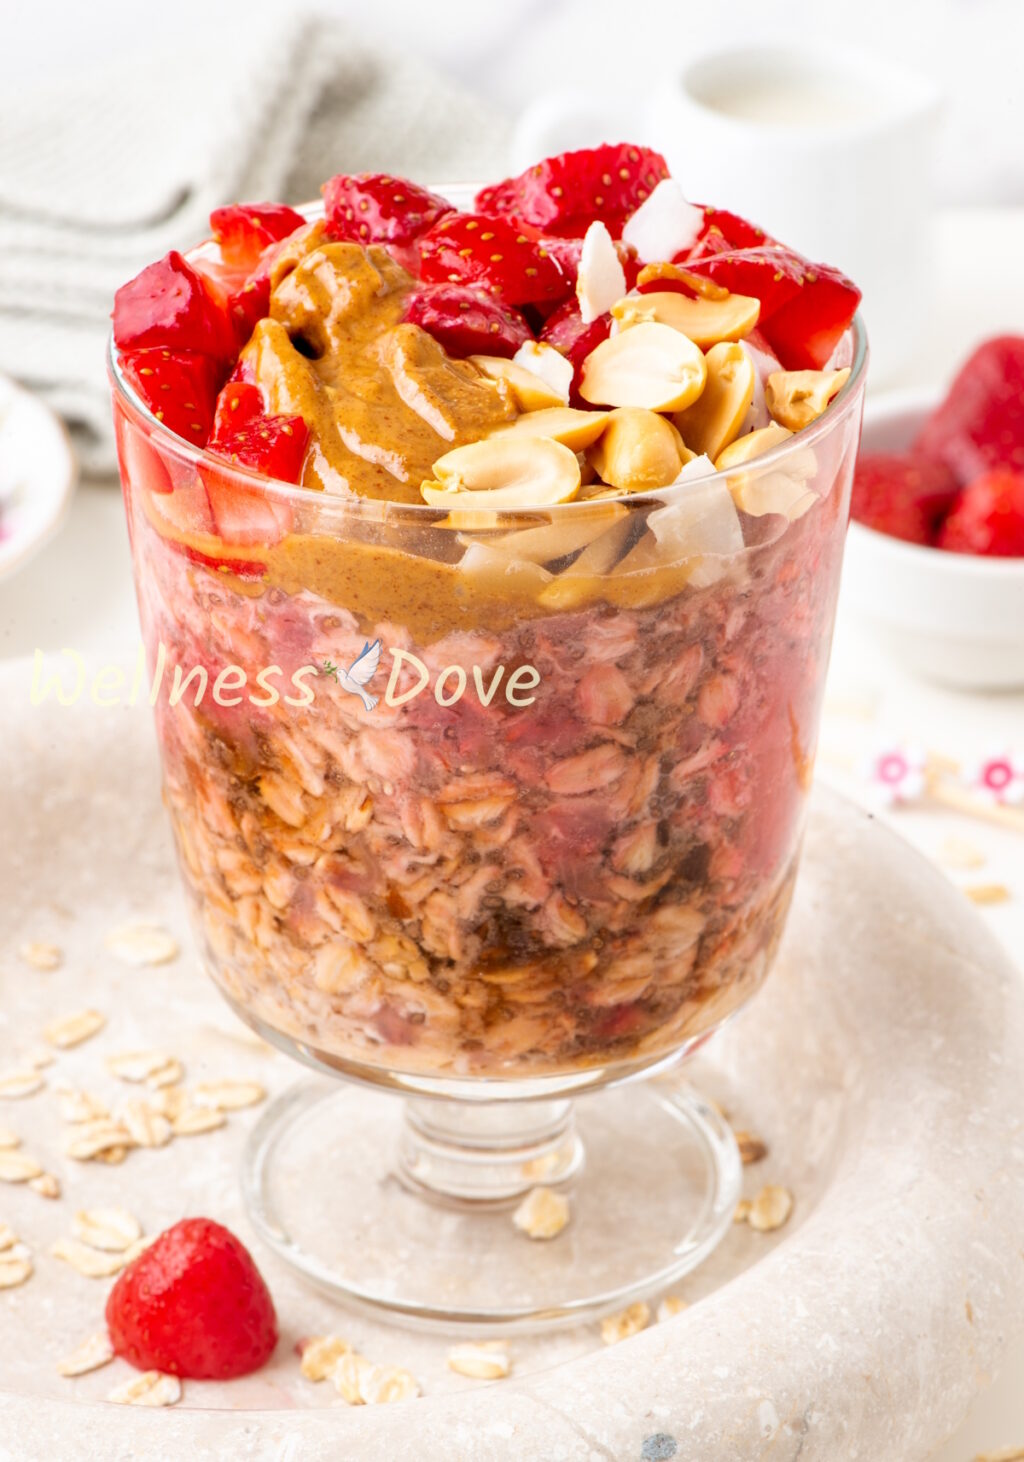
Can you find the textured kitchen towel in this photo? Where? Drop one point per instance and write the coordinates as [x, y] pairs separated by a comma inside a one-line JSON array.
[[105, 177]]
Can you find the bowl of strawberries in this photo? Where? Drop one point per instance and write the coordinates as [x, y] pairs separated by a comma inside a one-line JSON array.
[[935, 556]]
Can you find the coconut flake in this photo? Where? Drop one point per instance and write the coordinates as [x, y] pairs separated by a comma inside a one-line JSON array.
[[601, 279], [547, 363], [664, 225]]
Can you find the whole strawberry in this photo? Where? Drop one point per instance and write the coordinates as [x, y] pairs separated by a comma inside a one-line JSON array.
[[193, 1304], [988, 516]]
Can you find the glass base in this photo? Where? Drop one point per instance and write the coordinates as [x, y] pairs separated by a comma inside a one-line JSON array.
[[406, 1207]]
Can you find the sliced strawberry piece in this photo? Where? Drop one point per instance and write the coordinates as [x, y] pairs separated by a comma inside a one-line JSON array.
[[238, 403], [566, 331], [472, 248], [170, 305], [904, 495], [375, 208], [193, 1304], [564, 194], [272, 445], [244, 230], [805, 330], [179, 387], [465, 321], [735, 232], [980, 424], [988, 516], [772, 275]]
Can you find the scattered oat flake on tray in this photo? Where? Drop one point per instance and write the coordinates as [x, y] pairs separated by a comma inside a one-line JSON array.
[[145, 1125], [72, 1030], [17, 1084], [110, 1229], [8, 1138], [40, 955], [142, 944], [47, 1185], [97, 1140], [94, 1352], [671, 1306], [987, 893], [167, 1075], [752, 1149], [92, 1263], [8, 1238], [152, 1388], [380, 1384], [485, 1360], [17, 1167], [959, 853], [542, 1214], [228, 1096], [15, 1266], [1007, 1454], [80, 1106], [626, 1323], [320, 1354], [770, 1209], [192, 1121], [137, 1065]]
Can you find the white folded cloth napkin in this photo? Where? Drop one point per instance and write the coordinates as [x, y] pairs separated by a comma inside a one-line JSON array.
[[108, 175]]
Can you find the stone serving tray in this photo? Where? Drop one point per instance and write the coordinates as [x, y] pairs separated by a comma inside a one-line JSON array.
[[881, 1064]]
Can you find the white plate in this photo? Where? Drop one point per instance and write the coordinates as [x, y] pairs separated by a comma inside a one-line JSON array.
[[37, 474], [881, 1063]]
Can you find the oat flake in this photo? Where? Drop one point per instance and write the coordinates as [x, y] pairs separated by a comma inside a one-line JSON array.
[[142, 944], [40, 955], [770, 1209], [88, 1261], [542, 1214], [72, 1030], [487, 1360], [229, 1096], [320, 1355], [17, 1167], [17, 1084], [47, 1185], [671, 1306], [94, 1352], [15, 1266], [192, 1121], [111, 1229], [152, 1388], [628, 1322]]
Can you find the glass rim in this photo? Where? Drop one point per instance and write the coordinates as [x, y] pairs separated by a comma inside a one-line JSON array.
[[385, 509]]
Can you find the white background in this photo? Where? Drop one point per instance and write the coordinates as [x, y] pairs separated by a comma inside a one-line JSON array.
[[513, 50]]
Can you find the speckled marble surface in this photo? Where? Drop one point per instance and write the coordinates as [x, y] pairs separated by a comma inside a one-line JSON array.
[[881, 1063]]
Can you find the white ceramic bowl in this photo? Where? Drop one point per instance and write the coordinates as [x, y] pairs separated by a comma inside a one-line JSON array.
[[951, 617]]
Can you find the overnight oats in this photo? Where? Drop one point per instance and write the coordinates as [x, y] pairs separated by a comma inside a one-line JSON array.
[[487, 562]]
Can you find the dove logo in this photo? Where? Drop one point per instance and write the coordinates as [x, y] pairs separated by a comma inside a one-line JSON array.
[[359, 674]]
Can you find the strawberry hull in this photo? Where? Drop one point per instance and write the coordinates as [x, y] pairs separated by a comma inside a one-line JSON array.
[[582, 862]]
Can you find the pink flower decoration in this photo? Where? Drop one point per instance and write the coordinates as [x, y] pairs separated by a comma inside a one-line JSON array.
[[896, 774], [998, 778]]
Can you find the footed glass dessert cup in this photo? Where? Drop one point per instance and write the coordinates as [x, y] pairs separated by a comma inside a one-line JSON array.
[[479, 811]]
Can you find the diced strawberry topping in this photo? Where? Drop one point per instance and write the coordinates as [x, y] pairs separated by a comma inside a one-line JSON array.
[[193, 1304], [244, 230], [375, 208], [465, 321], [980, 423], [471, 248], [564, 194], [988, 516], [731, 230], [170, 305], [272, 445], [566, 331], [179, 387], [772, 275], [906, 496], [238, 403], [805, 330]]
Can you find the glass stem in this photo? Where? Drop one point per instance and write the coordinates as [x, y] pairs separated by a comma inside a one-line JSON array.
[[488, 1154]]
